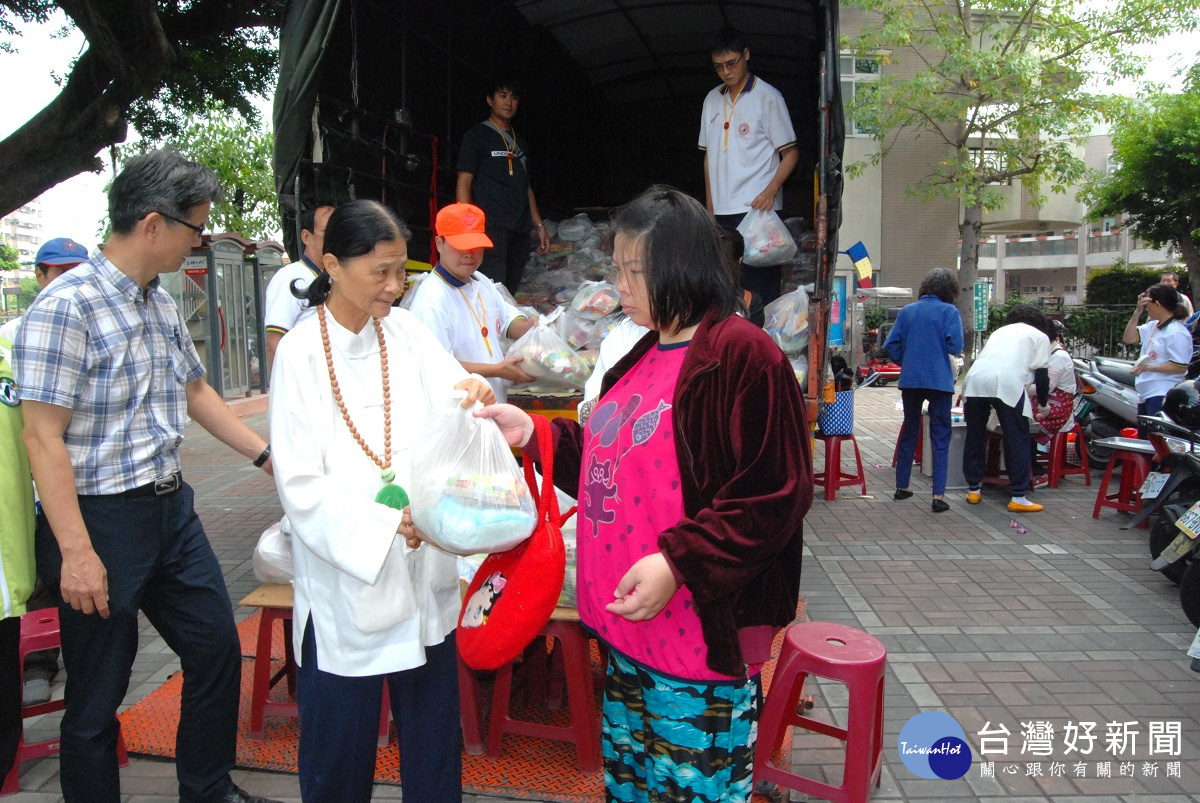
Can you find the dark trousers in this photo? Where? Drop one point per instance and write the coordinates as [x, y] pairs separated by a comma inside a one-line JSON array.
[[505, 261], [1016, 442], [339, 722], [1151, 406], [10, 692], [939, 435], [159, 561], [766, 283]]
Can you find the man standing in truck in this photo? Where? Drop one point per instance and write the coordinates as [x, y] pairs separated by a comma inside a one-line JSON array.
[[493, 174], [282, 309], [749, 148]]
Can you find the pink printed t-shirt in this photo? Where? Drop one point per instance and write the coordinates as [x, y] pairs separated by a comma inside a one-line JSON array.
[[628, 494]]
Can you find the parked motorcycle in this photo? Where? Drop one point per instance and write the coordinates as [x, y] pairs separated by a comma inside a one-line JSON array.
[[1174, 492], [1106, 402]]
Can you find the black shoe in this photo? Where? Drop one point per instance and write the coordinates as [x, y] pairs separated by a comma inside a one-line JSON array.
[[240, 796], [940, 505], [902, 495]]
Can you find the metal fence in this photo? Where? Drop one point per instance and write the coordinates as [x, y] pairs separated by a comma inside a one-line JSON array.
[[1091, 330], [1096, 331]]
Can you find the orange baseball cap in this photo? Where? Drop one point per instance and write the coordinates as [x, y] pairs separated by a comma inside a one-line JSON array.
[[463, 226]]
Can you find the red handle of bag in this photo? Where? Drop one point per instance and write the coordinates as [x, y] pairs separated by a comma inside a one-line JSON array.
[[548, 509]]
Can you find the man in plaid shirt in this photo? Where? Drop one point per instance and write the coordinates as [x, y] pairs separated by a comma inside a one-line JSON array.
[[108, 377]]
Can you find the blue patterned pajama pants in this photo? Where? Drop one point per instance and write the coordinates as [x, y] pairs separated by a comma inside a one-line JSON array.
[[668, 740]]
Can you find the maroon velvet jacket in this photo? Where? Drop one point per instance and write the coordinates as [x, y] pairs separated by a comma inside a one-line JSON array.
[[746, 470]]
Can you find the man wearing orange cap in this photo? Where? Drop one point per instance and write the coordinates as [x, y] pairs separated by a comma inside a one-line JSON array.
[[461, 305]]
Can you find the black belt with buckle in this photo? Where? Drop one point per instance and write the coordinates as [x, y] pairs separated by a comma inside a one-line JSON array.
[[160, 487]]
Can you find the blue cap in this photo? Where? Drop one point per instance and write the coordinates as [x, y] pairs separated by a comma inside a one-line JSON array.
[[61, 251]]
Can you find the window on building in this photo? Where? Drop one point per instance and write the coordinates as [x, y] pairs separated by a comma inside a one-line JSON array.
[[1069, 288], [992, 160], [855, 72]]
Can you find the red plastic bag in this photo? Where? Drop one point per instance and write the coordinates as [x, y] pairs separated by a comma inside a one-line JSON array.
[[514, 593]]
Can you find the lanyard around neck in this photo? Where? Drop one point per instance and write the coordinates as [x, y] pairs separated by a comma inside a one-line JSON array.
[[727, 106]]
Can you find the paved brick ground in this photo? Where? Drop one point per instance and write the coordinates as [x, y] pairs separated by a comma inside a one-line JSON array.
[[1062, 623]]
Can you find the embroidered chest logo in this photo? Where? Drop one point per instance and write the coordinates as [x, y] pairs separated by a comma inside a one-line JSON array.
[[8, 392], [744, 129]]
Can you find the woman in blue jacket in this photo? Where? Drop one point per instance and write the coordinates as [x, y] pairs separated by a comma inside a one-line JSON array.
[[926, 333]]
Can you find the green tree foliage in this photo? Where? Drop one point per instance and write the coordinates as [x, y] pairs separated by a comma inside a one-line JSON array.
[[29, 290], [150, 63], [1119, 285], [10, 258], [239, 152], [1156, 185], [1003, 86]]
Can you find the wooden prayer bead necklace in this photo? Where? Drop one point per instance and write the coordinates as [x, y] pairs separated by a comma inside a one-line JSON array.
[[385, 471]]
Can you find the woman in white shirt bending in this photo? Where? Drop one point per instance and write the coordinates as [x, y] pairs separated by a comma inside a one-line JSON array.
[[1015, 356], [351, 388], [1166, 347]]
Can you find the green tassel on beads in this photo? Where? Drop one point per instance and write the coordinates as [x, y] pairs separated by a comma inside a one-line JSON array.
[[393, 496]]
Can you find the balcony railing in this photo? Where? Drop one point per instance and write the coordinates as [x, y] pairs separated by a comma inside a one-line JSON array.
[[1104, 243], [1057, 246]]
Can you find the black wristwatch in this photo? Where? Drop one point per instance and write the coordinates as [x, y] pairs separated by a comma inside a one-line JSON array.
[[263, 458]]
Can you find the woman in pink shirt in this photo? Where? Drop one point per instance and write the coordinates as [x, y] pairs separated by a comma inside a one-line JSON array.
[[693, 476]]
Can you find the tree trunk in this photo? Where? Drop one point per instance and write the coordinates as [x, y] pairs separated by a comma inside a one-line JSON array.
[[969, 231], [1191, 260], [125, 60]]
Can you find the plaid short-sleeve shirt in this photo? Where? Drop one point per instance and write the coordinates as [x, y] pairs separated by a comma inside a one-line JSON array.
[[120, 359]]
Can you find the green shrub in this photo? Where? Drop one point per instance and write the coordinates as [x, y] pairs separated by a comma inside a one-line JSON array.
[[1120, 285]]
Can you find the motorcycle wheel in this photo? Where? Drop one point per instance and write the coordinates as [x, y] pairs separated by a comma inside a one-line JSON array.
[[1094, 430], [1189, 593], [1161, 535], [881, 382]]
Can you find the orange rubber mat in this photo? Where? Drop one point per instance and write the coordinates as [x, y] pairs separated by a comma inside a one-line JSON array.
[[529, 769]]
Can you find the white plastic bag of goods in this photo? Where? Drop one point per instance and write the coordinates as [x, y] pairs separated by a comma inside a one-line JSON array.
[[768, 242], [786, 321], [594, 300], [547, 357], [575, 229], [272, 558], [468, 493]]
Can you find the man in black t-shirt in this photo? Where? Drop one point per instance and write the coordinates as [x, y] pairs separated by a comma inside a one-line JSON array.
[[493, 174]]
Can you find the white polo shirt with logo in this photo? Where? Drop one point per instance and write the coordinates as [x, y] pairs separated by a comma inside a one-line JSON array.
[[282, 310], [741, 165], [456, 312]]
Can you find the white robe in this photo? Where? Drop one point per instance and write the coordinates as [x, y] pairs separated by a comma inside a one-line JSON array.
[[375, 604]]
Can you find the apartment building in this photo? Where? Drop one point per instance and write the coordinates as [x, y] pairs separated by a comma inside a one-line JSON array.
[[23, 230]]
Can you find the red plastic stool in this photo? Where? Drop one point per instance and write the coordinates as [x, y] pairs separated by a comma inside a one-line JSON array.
[[275, 603], [39, 631], [831, 477], [1135, 465], [838, 653], [584, 730], [993, 448], [470, 696], [920, 444], [1060, 463]]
